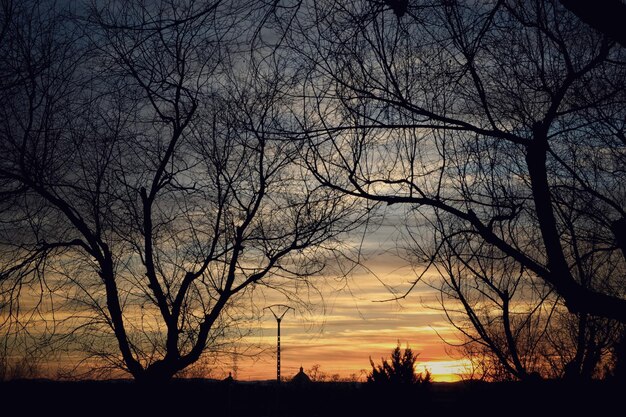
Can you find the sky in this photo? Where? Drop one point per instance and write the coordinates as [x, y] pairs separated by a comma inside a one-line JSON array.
[[352, 325], [355, 328], [357, 324], [349, 322]]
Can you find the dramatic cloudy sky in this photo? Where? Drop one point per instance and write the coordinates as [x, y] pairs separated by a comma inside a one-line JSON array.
[[356, 324]]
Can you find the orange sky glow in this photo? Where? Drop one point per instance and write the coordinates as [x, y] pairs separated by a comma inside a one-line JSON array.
[[356, 326], [346, 326]]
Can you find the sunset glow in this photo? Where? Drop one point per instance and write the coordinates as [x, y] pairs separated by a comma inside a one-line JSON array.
[[392, 206], [356, 326]]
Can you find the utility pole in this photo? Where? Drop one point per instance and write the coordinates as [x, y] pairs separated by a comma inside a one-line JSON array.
[[279, 311]]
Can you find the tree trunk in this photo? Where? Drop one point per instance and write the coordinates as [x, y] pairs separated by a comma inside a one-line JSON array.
[[618, 227], [577, 298], [158, 373]]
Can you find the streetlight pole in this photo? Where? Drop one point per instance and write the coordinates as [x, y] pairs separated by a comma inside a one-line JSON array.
[[279, 311]]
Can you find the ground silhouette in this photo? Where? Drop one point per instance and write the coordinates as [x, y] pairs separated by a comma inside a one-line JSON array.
[[251, 399]]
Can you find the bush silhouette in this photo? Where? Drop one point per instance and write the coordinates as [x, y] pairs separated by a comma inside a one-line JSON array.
[[400, 369]]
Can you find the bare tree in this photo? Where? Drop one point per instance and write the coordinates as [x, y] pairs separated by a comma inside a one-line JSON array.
[[36, 54], [491, 113], [513, 325], [504, 120], [502, 314], [144, 190]]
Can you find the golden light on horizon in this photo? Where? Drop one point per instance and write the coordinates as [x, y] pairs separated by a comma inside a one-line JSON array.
[[445, 370], [346, 327], [355, 327]]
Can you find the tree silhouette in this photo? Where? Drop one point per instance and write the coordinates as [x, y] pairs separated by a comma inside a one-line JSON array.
[[399, 369], [513, 326], [142, 193], [161, 163], [506, 116]]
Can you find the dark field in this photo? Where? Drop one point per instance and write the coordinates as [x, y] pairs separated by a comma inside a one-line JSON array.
[[215, 398]]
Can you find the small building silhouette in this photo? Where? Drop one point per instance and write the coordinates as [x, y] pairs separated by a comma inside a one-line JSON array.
[[301, 378]]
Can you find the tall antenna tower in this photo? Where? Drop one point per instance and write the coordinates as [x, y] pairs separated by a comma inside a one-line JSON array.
[[279, 311]]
